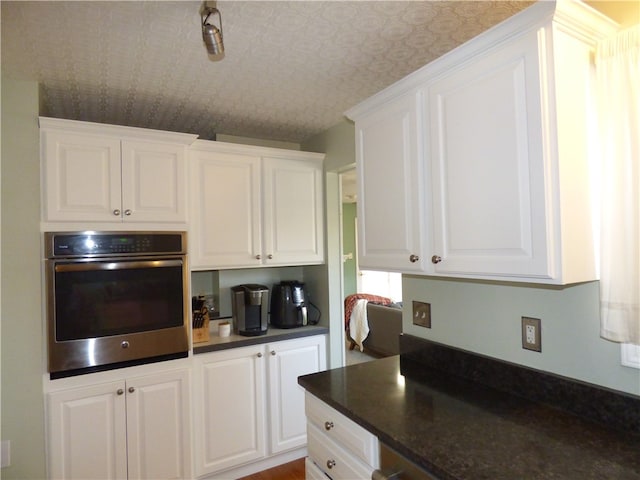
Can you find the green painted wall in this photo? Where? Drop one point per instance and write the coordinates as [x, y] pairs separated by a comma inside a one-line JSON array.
[[23, 361], [349, 246], [484, 317], [325, 281]]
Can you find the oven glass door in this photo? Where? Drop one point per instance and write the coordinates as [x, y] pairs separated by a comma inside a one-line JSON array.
[[104, 298]]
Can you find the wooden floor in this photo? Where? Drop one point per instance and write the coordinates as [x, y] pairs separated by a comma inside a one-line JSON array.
[[288, 471]]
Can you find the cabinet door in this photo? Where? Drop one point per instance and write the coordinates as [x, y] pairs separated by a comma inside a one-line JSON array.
[[153, 182], [287, 361], [230, 409], [158, 426], [390, 201], [226, 225], [87, 436], [81, 177], [293, 212], [489, 203]]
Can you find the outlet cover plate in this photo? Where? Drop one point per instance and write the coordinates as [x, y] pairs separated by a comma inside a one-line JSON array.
[[531, 335], [421, 314]]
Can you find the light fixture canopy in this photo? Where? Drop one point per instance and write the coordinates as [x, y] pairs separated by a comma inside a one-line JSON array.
[[211, 34]]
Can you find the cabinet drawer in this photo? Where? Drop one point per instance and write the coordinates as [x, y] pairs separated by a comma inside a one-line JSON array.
[[312, 471], [339, 428], [333, 459]]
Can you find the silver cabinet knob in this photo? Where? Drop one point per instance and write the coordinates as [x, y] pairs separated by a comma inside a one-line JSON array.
[[120, 391], [124, 344], [131, 390], [436, 259], [259, 354], [116, 212], [273, 352], [270, 257], [331, 463], [328, 425], [414, 258], [258, 257], [128, 212]]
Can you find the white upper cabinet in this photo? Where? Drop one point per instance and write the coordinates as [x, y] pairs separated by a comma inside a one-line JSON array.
[[390, 203], [226, 221], [106, 173], [254, 206], [485, 141], [503, 143], [293, 211]]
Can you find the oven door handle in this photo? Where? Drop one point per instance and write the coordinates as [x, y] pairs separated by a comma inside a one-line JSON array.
[[116, 265]]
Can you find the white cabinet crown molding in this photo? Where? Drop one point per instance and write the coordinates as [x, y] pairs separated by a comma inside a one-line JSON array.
[[123, 132], [225, 147], [572, 15]]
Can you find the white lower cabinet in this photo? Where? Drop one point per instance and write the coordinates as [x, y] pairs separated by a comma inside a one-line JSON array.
[[248, 404], [312, 471], [138, 428], [229, 408], [338, 446]]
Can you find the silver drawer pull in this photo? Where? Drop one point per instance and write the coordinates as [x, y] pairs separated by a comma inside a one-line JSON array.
[[328, 425], [331, 463]]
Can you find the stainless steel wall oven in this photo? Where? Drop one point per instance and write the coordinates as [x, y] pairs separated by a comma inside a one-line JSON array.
[[115, 299]]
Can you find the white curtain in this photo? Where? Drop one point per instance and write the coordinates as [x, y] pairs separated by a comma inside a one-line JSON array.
[[618, 87]]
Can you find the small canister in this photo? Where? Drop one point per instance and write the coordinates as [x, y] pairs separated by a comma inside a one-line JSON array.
[[224, 329]]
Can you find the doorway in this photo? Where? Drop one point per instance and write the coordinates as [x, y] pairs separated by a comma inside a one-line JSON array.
[[354, 280]]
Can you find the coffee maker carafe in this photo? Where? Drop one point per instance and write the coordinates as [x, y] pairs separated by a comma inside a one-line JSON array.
[[249, 309], [288, 305]]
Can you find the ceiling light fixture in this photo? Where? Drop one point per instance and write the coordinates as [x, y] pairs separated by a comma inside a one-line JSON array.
[[211, 34]]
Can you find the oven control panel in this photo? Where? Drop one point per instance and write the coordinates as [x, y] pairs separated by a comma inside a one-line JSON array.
[[90, 244]]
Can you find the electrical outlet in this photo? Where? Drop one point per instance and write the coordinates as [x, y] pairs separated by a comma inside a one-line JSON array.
[[531, 334], [422, 314]]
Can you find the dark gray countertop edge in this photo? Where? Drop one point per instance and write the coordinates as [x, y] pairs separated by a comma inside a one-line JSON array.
[[307, 382], [492, 386], [273, 335]]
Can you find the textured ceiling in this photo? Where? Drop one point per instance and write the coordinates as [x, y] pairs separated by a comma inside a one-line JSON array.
[[290, 68]]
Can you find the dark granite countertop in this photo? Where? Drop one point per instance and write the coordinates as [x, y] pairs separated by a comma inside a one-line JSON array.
[[273, 334], [459, 429]]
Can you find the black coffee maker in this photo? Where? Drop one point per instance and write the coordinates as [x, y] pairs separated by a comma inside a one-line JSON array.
[[288, 305], [249, 309]]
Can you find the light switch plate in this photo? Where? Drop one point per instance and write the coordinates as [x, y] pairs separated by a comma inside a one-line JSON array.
[[422, 314]]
